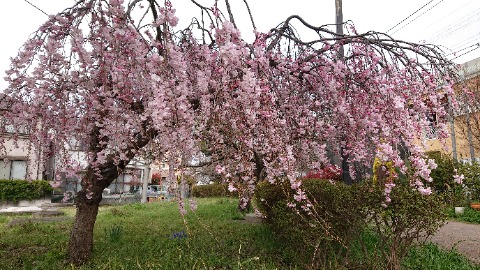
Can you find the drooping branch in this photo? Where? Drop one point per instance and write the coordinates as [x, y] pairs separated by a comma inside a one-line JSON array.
[[153, 8], [230, 14], [207, 10], [395, 49], [250, 14]]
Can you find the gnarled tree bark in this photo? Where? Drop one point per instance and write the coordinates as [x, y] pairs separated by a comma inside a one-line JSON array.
[[80, 246]]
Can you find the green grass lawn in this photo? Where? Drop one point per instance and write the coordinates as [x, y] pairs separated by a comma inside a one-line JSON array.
[[469, 215], [154, 236]]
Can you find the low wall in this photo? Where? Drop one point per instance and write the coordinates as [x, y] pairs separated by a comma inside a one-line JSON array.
[[120, 199], [24, 203]]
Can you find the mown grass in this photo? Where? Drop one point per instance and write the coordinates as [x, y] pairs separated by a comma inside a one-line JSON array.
[[155, 236], [469, 215], [429, 256]]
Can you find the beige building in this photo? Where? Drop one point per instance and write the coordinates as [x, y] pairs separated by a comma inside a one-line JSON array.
[[18, 158], [464, 126]]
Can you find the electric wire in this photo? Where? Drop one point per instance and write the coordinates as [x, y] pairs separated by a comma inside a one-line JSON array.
[[463, 42], [39, 9], [466, 47], [476, 48], [409, 16], [456, 26], [463, 49], [405, 25]]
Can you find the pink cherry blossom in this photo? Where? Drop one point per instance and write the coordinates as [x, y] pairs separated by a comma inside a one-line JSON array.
[[458, 178], [272, 109]]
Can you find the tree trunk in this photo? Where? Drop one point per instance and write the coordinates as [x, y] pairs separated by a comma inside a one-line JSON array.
[[80, 246], [393, 262]]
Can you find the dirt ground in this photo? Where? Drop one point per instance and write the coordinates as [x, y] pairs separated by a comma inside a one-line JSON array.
[[463, 237]]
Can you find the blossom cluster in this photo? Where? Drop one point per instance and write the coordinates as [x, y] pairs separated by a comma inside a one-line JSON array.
[[330, 172], [258, 109]]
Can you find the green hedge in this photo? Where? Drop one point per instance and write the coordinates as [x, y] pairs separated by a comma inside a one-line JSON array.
[[210, 190], [443, 182], [338, 217], [443, 175], [472, 179], [334, 220], [15, 190]]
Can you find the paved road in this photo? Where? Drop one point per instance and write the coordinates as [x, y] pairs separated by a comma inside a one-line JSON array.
[[464, 237]]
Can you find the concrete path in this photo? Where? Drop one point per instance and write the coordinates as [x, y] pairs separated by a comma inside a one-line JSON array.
[[45, 213], [21, 209], [463, 237]]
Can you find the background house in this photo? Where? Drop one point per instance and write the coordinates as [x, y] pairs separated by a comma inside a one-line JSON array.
[[464, 123], [19, 159]]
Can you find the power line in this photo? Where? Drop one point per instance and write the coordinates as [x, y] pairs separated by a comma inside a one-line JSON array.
[[464, 42], [463, 49], [409, 16], [417, 17], [456, 26], [39, 9], [476, 48], [449, 14]]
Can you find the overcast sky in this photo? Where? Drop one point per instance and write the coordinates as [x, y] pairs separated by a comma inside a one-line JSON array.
[[454, 24]]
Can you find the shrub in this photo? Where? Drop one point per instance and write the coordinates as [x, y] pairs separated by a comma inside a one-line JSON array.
[[210, 190], [471, 172], [443, 175], [333, 220], [408, 217], [15, 190], [443, 182], [268, 195], [339, 214]]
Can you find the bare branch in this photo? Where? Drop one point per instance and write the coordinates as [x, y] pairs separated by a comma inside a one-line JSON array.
[[207, 10], [229, 10], [250, 14]]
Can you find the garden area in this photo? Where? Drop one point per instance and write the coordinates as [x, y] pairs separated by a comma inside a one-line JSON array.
[[155, 236], [336, 227], [100, 91]]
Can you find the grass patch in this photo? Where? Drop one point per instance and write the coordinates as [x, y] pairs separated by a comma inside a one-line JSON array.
[[469, 215], [148, 236], [429, 256], [154, 236]]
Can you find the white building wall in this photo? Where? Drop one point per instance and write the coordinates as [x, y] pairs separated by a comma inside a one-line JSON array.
[[22, 152]]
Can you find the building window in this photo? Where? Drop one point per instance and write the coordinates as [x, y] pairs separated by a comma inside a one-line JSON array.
[[431, 132], [73, 184], [126, 182], [10, 128], [13, 169], [78, 145]]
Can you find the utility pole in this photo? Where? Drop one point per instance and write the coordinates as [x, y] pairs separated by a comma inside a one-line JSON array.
[[339, 23], [146, 177], [469, 136], [452, 130]]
